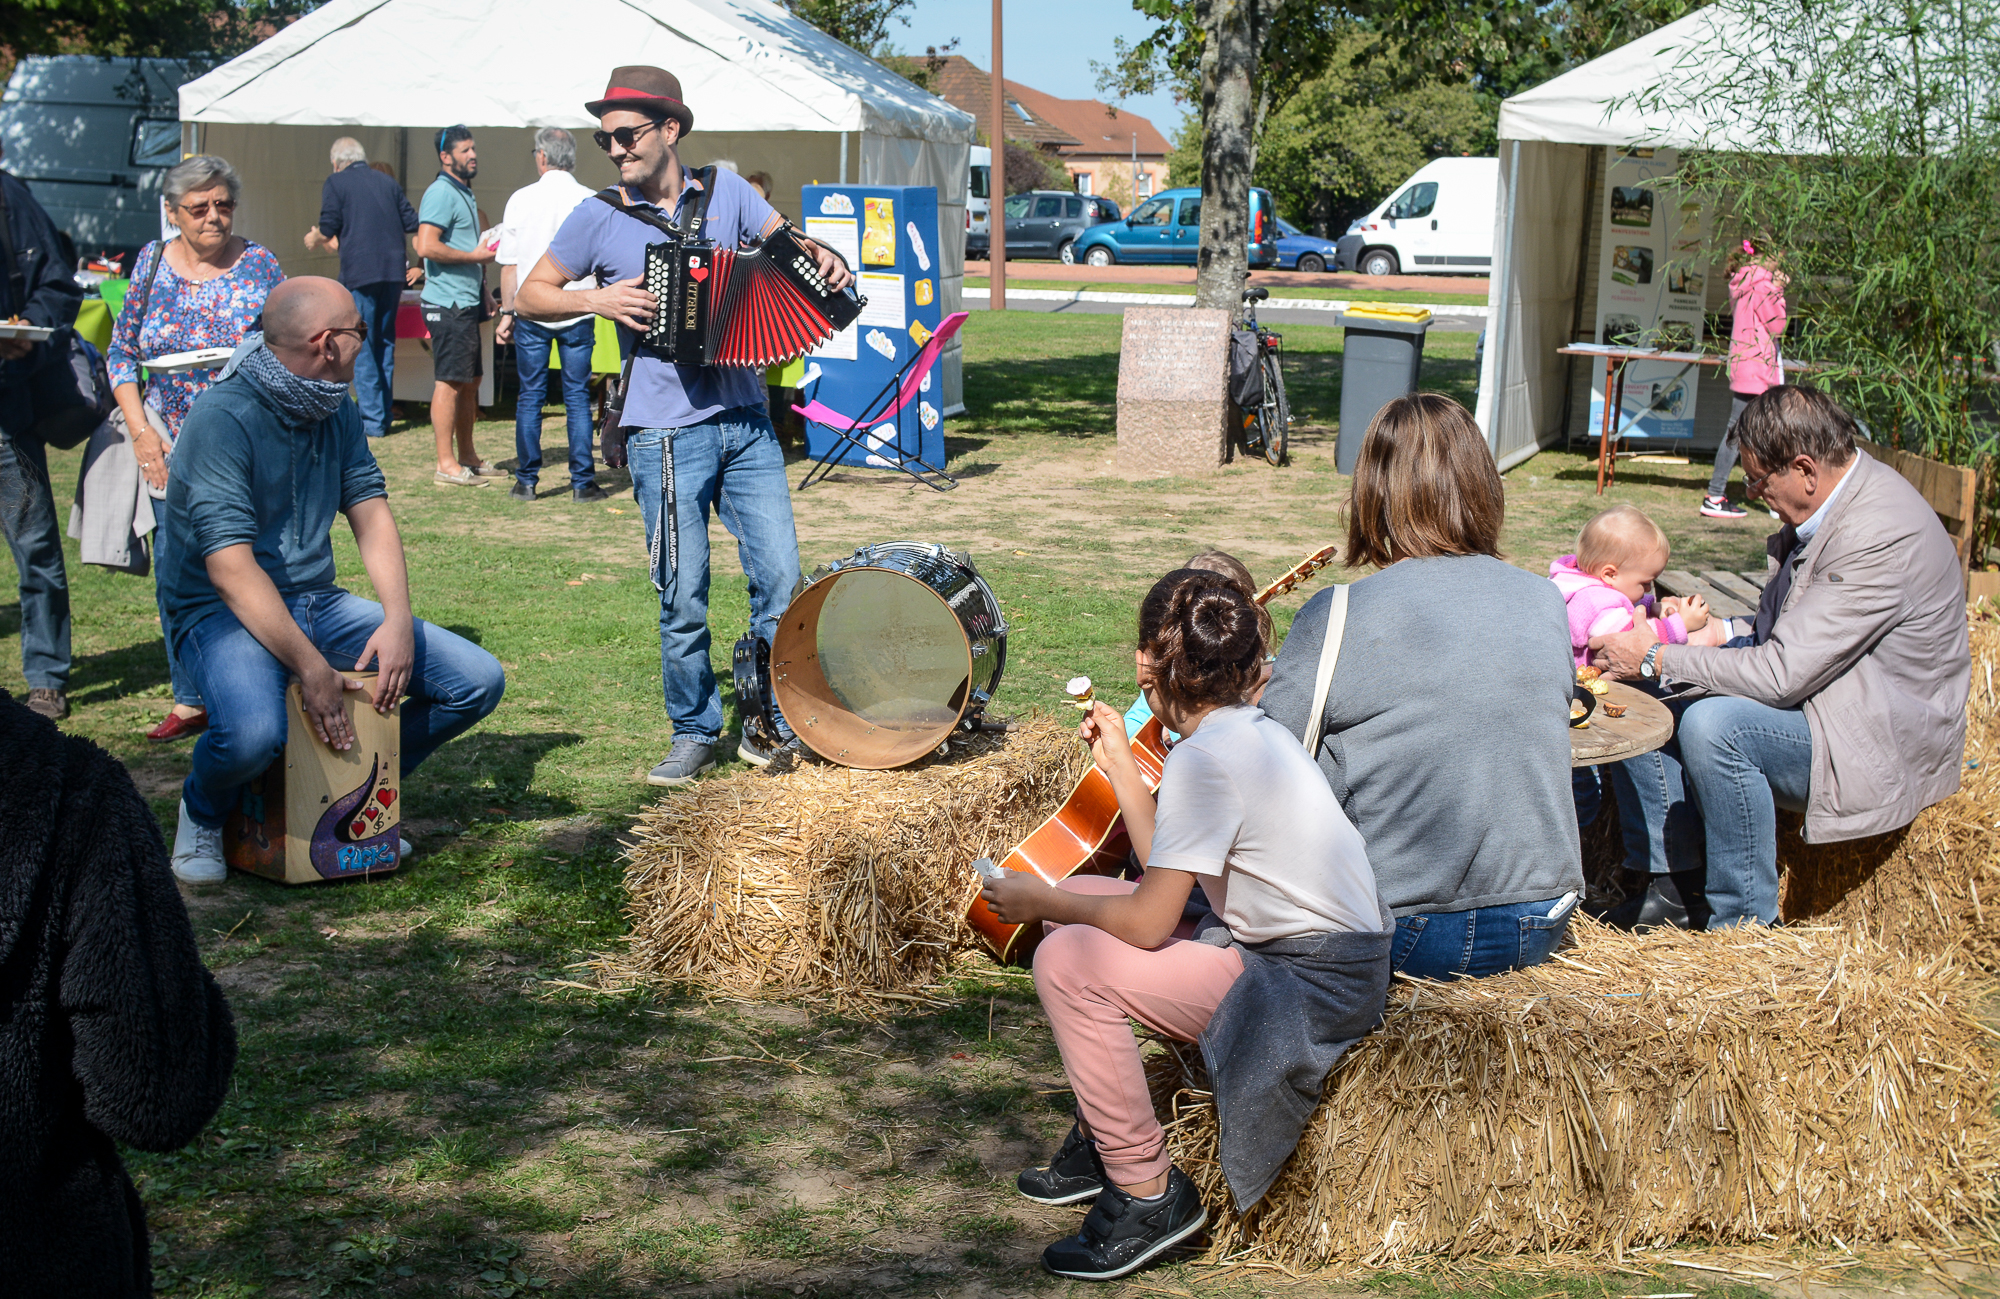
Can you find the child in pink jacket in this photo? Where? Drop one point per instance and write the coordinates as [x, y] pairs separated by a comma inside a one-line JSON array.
[[1757, 295], [1608, 584]]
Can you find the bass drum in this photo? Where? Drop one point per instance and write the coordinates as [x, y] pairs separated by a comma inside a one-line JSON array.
[[880, 655]]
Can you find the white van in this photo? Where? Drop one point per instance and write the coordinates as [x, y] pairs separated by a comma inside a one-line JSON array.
[[978, 201], [92, 138], [1439, 221]]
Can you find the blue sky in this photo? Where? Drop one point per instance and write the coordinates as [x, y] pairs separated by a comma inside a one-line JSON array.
[[1050, 44]]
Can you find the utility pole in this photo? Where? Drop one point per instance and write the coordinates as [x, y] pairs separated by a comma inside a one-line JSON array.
[[1135, 170], [996, 201]]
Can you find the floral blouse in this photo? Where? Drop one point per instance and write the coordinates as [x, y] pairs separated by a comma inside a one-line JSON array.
[[185, 316]]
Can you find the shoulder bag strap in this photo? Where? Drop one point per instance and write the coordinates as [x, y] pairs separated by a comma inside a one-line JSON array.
[[697, 211], [1329, 655]]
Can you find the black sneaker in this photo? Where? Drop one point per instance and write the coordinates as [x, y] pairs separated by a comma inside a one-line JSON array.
[[1122, 1234], [590, 493], [1718, 507], [1076, 1173], [522, 491]]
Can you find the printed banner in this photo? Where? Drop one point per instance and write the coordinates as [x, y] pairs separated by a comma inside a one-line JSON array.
[[1650, 290]]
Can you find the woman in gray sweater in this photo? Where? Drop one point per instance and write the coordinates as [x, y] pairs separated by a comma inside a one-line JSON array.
[[1446, 736]]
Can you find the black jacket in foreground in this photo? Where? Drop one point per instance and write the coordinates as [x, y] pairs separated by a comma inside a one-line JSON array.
[[52, 294], [111, 1030]]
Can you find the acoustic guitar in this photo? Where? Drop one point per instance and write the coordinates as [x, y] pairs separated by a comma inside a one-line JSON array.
[[1086, 835]]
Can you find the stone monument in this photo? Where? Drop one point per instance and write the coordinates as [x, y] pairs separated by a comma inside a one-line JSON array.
[[1173, 391]]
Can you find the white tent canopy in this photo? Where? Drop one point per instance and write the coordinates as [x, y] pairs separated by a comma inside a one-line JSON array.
[[1541, 234], [768, 92]]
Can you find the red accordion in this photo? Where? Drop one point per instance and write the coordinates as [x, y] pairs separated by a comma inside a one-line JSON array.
[[754, 309]]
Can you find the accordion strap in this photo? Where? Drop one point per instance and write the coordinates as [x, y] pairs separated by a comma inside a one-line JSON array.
[[696, 209]]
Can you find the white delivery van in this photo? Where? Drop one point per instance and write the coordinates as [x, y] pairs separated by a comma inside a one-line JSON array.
[[92, 138], [978, 200], [1439, 221]]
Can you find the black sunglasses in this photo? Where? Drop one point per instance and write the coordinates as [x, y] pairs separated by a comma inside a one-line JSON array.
[[359, 331], [626, 136]]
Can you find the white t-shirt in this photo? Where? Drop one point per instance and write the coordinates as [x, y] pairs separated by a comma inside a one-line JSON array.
[[533, 216], [1243, 807]]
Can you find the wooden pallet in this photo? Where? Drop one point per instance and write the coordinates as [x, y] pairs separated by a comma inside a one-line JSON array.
[[1729, 595]]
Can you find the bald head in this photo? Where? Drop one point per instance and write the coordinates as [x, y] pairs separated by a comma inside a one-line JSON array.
[[302, 307], [298, 315]]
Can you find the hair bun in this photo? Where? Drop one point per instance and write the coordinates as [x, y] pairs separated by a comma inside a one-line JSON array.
[[1205, 637]]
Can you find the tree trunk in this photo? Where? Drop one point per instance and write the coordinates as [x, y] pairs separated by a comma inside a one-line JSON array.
[[1228, 115]]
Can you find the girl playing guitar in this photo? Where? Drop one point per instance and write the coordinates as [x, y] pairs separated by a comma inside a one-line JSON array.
[[1297, 938]]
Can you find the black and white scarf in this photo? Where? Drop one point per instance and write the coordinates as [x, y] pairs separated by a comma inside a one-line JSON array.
[[302, 401]]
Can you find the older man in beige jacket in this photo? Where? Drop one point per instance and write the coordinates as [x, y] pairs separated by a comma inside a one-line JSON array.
[[1844, 699]]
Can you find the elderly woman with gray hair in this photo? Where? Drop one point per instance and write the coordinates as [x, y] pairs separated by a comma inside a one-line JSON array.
[[202, 289]]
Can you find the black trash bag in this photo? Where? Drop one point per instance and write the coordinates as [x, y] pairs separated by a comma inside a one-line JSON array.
[[1246, 377]]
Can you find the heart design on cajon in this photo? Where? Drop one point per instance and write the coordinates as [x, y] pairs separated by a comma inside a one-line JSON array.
[[697, 271]]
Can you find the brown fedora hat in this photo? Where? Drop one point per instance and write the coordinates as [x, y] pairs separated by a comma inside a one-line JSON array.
[[640, 89]]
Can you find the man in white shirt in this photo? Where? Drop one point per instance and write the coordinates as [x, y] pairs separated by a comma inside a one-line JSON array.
[[533, 216]]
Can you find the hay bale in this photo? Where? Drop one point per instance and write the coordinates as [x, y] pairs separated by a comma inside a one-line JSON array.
[[1753, 1085], [1935, 884], [831, 880]]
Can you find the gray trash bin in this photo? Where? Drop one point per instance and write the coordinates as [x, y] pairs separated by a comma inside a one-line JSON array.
[[1381, 359]]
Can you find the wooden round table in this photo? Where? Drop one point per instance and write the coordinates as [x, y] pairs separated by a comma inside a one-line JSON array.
[[1645, 726]]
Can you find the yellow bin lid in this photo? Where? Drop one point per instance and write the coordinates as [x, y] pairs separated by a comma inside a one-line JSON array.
[[1400, 312]]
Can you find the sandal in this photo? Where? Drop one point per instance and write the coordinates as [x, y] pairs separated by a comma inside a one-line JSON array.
[[463, 478]]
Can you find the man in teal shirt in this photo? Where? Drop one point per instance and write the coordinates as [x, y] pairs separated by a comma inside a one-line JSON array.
[[449, 225]]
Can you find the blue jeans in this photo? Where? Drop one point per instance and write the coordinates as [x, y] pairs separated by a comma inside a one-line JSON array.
[[531, 362], [1731, 764], [453, 684], [28, 516], [184, 687], [375, 367], [733, 464], [1473, 944]]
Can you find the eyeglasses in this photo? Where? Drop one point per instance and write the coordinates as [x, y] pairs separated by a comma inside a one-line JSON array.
[[1755, 486], [199, 211], [626, 136], [359, 331]]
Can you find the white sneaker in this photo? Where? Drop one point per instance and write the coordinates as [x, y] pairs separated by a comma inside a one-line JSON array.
[[198, 852]]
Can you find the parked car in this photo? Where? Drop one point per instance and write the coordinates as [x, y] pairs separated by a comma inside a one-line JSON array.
[[1167, 228], [979, 181], [92, 138], [1439, 222], [1046, 223], [1299, 251]]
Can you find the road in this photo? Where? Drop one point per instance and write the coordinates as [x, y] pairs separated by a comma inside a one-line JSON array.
[[1046, 301]]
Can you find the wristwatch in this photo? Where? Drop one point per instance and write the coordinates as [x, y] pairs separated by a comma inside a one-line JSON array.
[[1649, 667]]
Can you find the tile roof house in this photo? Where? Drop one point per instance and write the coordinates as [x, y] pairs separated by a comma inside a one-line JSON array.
[[1095, 142]]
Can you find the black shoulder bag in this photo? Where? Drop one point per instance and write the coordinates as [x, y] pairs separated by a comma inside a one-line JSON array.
[[70, 393], [612, 438]]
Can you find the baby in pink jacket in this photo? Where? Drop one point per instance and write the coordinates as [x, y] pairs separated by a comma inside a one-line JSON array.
[[1608, 584]]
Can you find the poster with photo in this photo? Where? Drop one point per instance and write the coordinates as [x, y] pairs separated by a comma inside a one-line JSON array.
[[1651, 277]]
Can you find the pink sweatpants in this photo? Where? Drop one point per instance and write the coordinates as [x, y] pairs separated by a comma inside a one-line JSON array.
[[1090, 983]]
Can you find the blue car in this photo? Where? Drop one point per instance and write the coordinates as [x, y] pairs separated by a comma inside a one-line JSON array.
[[1299, 251], [1167, 228]]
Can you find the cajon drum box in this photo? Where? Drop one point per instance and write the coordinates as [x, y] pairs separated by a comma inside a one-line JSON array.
[[319, 813]]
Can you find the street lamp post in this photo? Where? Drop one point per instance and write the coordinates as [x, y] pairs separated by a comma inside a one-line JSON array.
[[996, 201]]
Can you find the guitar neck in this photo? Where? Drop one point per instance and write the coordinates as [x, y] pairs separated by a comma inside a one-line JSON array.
[[1306, 568]]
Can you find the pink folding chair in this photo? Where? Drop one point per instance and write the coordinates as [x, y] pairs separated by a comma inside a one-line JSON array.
[[895, 396]]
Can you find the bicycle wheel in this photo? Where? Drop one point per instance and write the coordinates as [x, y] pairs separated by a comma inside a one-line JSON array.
[[1275, 415]]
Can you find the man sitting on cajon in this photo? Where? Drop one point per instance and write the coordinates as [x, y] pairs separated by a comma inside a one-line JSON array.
[[266, 457]]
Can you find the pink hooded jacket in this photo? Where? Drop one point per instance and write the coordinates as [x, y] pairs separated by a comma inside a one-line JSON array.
[[1597, 609], [1759, 305]]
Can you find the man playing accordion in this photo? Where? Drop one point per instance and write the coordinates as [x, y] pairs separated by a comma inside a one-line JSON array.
[[697, 436]]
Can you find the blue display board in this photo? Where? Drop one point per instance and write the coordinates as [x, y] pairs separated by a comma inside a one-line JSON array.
[[889, 236]]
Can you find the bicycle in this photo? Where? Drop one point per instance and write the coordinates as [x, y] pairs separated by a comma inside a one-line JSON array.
[[1267, 416]]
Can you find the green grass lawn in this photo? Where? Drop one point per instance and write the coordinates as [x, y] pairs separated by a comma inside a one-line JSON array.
[[1443, 294], [421, 1108]]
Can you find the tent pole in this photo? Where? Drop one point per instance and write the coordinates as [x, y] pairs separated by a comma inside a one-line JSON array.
[[1496, 346], [843, 157], [403, 158]]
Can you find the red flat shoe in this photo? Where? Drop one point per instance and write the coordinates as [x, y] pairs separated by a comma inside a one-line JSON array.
[[175, 727]]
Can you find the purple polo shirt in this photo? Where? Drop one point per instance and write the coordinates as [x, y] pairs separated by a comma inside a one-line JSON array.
[[596, 239]]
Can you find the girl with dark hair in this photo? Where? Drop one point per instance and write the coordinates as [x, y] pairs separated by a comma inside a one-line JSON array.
[[1290, 965]]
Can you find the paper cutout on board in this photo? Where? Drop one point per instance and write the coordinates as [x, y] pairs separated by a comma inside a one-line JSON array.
[[836, 205], [882, 343], [927, 414], [921, 291], [917, 245], [878, 232], [918, 333]]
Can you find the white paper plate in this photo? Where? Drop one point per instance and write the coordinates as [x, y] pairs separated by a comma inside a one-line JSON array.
[[207, 358], [34, 333]]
